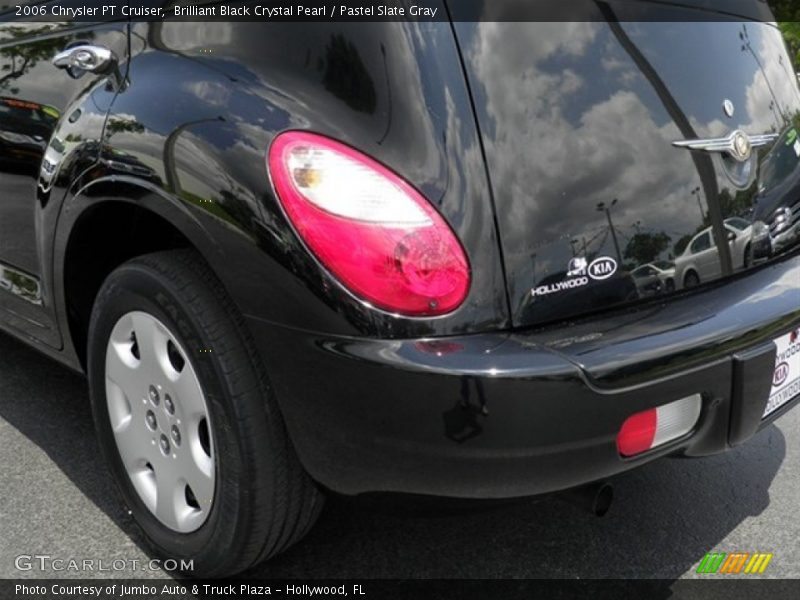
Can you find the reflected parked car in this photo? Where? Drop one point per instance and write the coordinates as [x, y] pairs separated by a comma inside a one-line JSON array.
[[654, 278], [778, 201], [700, 261]]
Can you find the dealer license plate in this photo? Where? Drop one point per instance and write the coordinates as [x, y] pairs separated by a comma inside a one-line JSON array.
[[786, 379]]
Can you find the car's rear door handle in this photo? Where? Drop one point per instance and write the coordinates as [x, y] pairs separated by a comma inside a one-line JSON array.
[[86, 57]]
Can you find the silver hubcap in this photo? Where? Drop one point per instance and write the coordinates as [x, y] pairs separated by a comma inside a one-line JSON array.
[[161, 422]]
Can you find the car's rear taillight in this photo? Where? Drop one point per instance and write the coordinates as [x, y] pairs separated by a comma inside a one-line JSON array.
[[652, 428], [371, 229]]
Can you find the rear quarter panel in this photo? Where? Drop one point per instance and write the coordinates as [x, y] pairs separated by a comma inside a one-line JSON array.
[[205, 101]]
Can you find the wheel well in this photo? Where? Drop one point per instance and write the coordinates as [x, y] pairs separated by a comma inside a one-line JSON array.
[[690, 271], [104, 237]]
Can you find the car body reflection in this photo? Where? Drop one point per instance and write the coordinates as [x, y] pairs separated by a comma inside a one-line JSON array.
[[654, 278], [777, 203], [25, 128], [700, 262]]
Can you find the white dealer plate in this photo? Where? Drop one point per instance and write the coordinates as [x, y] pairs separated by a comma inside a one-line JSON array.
[[786, 379]]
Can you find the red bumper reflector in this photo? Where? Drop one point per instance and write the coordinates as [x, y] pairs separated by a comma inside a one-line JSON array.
[[657, 426], [637, 433]]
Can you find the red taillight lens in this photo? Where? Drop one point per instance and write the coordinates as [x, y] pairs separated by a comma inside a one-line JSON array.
[[657, 426], [379, 236], [637, 433]]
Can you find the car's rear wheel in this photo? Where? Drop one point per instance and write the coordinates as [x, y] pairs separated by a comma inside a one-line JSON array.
[[748, 256], [187, 421], [691, 280]]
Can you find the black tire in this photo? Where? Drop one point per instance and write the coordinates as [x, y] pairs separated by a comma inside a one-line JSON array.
[[263, 500], [748, 256], [691, 280]]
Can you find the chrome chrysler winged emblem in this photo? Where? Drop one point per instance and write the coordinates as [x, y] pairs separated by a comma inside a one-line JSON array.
[[738, 145]]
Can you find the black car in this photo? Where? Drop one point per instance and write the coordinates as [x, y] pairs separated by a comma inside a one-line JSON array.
[[396, 257]]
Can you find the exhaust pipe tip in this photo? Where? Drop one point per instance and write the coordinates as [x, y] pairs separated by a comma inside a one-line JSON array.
[[594, 497], [603, 498]]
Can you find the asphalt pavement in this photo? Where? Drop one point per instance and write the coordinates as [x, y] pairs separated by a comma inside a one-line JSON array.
[[57, 499]]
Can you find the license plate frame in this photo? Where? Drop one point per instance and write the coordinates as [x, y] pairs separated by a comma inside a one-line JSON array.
[[786, 377]]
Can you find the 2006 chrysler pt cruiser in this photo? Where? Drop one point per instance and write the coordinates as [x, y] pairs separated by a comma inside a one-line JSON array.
[[468, 258]]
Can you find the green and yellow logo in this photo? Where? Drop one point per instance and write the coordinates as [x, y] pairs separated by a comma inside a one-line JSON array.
[[735, 563]]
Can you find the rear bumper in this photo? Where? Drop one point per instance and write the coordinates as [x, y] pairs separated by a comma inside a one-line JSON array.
[[504, 415]]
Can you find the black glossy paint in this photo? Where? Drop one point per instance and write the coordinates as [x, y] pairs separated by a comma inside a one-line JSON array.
[[520, 413], [202, 145], [50, 128], [516, 132]]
